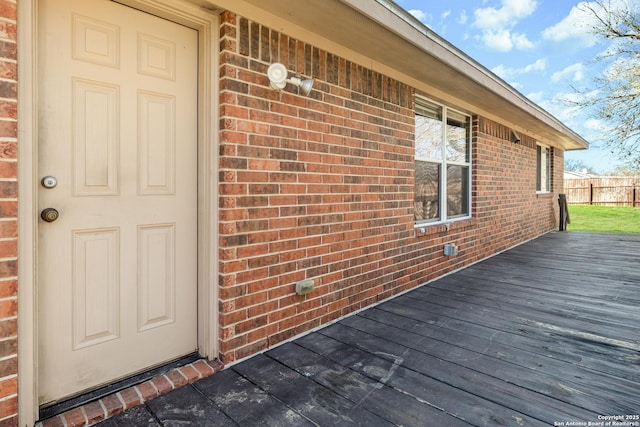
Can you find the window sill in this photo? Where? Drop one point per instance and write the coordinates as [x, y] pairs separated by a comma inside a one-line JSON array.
[[443, 227], [544, 195]]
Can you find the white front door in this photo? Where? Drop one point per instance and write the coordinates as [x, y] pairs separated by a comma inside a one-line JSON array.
[[117, 270]]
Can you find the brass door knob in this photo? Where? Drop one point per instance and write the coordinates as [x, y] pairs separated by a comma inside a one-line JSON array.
[[49, 214]]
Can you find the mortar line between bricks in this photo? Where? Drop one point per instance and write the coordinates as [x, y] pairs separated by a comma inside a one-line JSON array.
[[121, 399], [183, 375], [84, 413], [135, 388], [104, 409], [173, 386]]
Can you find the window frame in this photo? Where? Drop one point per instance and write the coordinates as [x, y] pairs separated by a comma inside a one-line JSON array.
[[444, 163], [547, 187]]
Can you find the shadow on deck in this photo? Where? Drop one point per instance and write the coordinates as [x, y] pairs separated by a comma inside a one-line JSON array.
[[544, 334]]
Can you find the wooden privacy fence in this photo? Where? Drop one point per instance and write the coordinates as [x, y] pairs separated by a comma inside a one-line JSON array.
[[603, 191]]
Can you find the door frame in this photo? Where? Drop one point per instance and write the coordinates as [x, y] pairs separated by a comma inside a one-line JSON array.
[[206, 23]]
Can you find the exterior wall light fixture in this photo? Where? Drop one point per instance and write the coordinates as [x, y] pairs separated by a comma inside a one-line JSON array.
[[278, 74], [515, 138]]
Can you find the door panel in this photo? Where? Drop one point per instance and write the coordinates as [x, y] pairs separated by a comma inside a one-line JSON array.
[[117, 271], [96, 282], [96, 137]]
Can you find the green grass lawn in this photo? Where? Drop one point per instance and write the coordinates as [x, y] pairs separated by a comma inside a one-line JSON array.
[[605, 219]]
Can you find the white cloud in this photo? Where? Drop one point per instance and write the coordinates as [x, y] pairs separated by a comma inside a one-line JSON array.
[[507, 73], [521, 41], [575, 72], [575, 97], [445, 14], [503, 40], [574, 27], [502, 71], [511, 11], [539, 65], [496, 24], [562, 112], [419, 15], [463, 18], [536, 96], [564, 107], [498, 40], [594, 125]]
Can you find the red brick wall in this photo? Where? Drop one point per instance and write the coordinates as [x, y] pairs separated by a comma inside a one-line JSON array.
[[506, 207], [8, 214], [321, 187]]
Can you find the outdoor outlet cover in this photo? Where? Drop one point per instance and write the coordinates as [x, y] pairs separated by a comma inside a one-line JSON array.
[[450, 249], [304, 287]]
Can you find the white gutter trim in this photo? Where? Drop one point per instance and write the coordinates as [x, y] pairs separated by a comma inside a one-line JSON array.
[[473, 69]]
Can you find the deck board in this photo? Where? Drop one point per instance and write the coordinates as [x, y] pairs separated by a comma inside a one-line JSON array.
[[300, 392], [456, 375], [544, 333]]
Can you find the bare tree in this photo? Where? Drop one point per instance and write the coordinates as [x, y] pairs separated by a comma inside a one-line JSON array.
[[615, 96], [571, 165], [625, 171]]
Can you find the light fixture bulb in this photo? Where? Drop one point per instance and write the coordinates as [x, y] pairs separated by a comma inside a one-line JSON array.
[[278, 73]]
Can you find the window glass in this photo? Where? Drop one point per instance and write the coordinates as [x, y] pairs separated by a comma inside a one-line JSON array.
[[457, 191], [543, 169], [428, 131], [427, 191], [442, 163], [457, 137]]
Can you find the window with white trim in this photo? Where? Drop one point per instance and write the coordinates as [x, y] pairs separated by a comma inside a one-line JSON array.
[[442, 163], [543, 169]]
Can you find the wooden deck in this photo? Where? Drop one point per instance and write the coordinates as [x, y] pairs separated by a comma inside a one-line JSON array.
[[544, 334]]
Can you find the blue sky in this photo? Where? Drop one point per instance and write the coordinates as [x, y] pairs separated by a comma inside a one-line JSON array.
[[541, 47]]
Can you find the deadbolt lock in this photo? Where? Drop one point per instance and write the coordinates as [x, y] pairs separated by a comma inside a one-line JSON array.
[[49, 181]]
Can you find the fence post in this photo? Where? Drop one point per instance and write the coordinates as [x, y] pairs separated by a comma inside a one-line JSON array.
[[564, 212], [591, 193]]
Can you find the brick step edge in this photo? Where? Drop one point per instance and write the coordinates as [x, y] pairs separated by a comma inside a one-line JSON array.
[[108, 406]]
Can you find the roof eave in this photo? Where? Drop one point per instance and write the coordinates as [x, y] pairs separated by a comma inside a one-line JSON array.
[[458, 60], [380, 34]]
